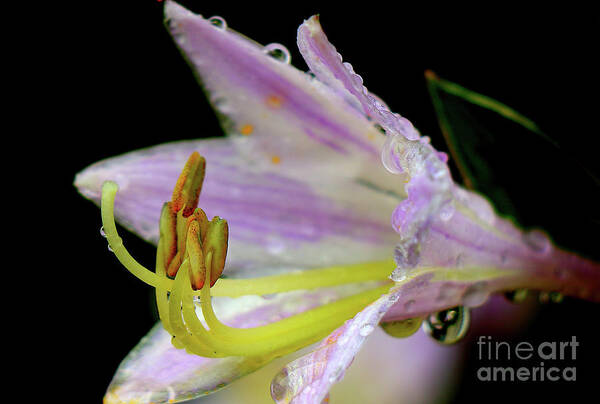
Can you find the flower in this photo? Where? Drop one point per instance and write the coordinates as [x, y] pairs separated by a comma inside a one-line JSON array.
[[301, 185]]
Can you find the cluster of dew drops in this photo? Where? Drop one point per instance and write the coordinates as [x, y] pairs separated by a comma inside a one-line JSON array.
[[451, 325], [275, 50]]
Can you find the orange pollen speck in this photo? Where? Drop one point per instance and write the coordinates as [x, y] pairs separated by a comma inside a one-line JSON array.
[[274, 101], [247, 129], [275, 159]]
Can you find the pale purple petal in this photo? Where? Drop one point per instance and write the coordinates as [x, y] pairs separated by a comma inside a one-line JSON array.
[[155, 372], [275, 112], [482, 254], [413, 370], [274, 221], [326, 63], [308, 379]]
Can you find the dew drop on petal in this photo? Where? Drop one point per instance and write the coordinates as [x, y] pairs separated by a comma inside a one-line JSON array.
[[110, 248], [475, 295], [550, 297], [403, 328], [390, 156], [459, 260], [336, 375], [537, 241], [447, 211], [279, 386], [102, 233], [279, 52], [343, 339], [517, 295], [400, 274], [218, 22], [448, 326], [366, 329]]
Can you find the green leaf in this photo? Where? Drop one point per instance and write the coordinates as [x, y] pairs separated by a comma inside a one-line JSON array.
[[521, 168]]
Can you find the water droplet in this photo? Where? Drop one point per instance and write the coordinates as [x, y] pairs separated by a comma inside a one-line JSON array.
[[459, 261], [537, 241], [366, 330], [279, 52], [547, 297], [476, 294], [380, 128], [447, 291], [110, 248], [343, 339], [402, 329], [218, 22], [448, 326], [516, 296], [102, 233], [400, 274], [279, 386], [435, 169], [409, 305], [336, 375], [390, 154], [447, 211]]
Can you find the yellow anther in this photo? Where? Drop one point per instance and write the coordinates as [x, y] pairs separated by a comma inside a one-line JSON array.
[[215, 245], [195, 255], [168, 233], [188, 186], [275, 159]]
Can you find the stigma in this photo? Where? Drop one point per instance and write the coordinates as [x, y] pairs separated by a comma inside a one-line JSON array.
[[190, 259]]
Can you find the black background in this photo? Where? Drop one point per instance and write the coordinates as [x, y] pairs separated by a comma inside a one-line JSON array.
[[127, 87]]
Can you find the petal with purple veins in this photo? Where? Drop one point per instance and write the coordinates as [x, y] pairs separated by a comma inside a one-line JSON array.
[[277, 115], [326, 63], [156, 372], [309, 378], [275, 221]]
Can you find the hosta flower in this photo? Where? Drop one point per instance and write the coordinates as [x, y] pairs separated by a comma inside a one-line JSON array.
[[306, 183]]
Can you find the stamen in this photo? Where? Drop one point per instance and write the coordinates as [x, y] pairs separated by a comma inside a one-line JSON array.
[[192, 250], [188, 186], [168, 233], [195, 255]]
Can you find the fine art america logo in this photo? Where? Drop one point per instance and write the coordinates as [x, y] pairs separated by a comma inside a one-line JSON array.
[[535, 362]]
